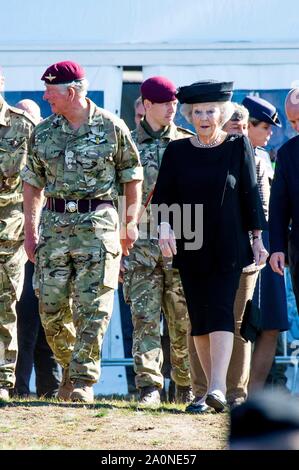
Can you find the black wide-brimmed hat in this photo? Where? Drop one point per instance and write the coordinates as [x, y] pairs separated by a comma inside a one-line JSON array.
[[261, 110], [206, 91]]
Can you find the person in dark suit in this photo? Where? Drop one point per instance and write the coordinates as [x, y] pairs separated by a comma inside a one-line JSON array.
[[270, 294], [213, 175], [284, 201], [33, 347]]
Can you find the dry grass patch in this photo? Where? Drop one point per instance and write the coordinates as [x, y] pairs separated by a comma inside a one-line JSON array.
[[107, 425]]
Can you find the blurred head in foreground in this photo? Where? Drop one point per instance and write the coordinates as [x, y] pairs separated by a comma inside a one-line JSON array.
[[268, 420]]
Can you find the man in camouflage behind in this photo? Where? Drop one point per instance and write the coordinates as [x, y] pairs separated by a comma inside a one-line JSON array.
[[148, 286], [80, 155], [15, 130]]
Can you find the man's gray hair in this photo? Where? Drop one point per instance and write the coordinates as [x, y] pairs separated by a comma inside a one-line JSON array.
[[226, 111], [80, 85]]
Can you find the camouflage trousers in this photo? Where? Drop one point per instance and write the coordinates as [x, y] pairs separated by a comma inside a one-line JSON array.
[[77, 270], [12, 262], [151, 291]]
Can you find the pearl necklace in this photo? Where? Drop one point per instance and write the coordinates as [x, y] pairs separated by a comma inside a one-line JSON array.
[[212, 144]]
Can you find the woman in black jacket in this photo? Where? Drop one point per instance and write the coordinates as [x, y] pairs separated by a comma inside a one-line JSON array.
[[210, 183]]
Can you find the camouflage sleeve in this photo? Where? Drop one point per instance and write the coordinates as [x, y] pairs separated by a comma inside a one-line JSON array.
[[13, 158], [14, 150], [128, 164], [33, 173], [13, 155]]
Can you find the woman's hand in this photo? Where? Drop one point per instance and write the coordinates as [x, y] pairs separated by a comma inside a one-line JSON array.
[[277, 262], [259, 252], [167, 241]]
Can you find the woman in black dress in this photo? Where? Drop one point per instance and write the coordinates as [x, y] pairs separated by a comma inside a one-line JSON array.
[[210, 183]]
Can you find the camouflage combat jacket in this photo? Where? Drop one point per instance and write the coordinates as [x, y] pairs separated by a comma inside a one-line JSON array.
[[15, 129], [88, 163], [146, 250]]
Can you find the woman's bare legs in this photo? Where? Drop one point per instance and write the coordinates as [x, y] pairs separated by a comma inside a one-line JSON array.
[[221, 346], [202, 346], [214, 352]]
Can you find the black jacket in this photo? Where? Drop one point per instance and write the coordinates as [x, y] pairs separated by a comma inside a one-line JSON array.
[[240, 210], [284, 201]]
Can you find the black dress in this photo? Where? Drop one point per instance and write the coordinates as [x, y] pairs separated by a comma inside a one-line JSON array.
[[213, 193]]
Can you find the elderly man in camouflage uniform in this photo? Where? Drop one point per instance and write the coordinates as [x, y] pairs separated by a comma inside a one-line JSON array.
[[148, 286], [81, 155], [15, 130]]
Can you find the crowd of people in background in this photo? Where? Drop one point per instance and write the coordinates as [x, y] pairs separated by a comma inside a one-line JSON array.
[[66, 175]]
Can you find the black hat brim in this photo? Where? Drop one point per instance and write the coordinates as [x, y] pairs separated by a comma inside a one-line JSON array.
[[205, 92], [269, 120], [205, 97]]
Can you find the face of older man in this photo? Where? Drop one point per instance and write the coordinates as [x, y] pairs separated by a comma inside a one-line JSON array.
[[57, 98], [292, 112], [206, 119]]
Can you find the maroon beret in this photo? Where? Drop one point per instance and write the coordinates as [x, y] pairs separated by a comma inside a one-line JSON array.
[[63, 72], [158, 90]]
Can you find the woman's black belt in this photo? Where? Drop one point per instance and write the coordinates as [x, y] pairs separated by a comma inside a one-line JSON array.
[[74, 205]]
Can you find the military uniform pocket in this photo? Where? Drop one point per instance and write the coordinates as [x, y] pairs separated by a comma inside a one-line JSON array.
[[92, 161], [111, 255], [97, 164], [53, 163], [11, 223], [14, 269]]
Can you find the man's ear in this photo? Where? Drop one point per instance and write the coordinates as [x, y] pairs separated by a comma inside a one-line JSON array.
[[71, 93], [147, 104]]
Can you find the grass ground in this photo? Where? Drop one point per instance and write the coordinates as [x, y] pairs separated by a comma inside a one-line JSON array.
[[107, 425]]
